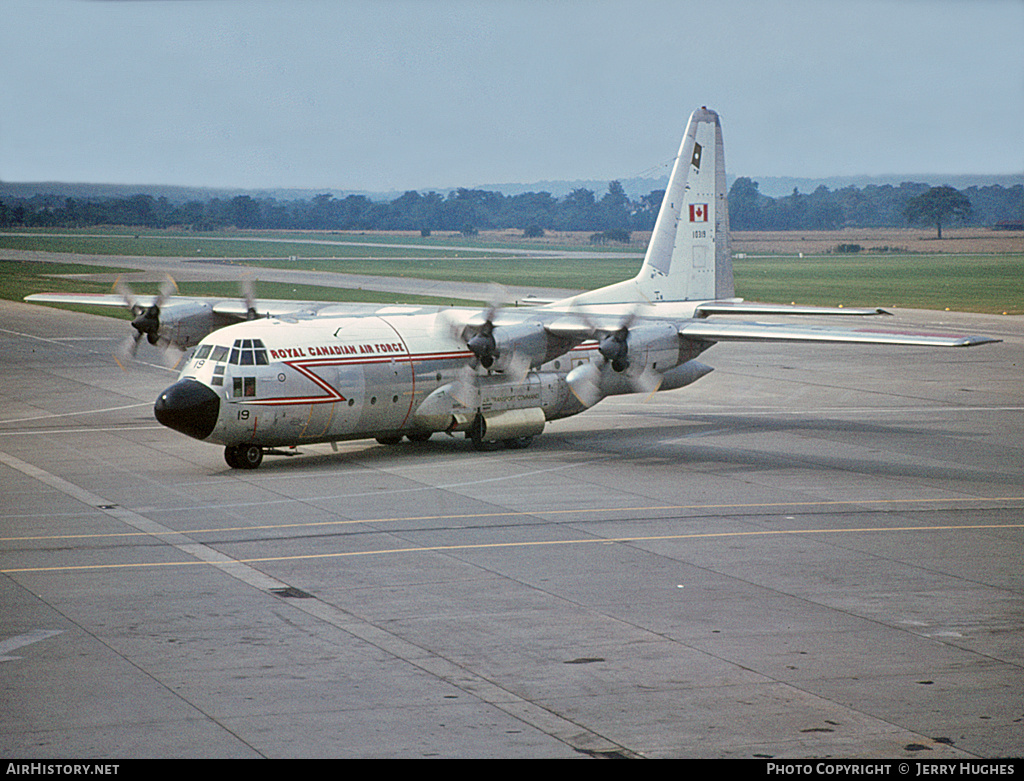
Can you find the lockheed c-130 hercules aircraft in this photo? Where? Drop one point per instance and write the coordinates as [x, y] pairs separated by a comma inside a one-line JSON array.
[[279, 374]]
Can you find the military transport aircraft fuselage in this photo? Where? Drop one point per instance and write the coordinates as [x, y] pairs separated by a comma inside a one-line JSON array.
[[265, 383], [277, 374]]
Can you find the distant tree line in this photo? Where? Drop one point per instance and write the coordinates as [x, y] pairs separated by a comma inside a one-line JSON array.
[[873, 206], [613, 216]]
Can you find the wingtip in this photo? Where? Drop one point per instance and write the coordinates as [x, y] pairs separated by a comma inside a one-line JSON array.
[[973, 341]]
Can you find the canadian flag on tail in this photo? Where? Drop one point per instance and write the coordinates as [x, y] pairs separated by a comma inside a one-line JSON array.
[[698, 212]]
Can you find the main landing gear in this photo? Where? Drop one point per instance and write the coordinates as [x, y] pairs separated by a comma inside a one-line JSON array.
[[478, 435], [243, 456], [412, 436], [515, 443], [475, 435], [251, 456]]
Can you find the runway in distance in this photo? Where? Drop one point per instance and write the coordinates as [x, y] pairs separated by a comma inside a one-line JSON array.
[[278, 374]]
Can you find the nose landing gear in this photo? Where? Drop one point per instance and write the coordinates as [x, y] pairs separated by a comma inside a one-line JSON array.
[[243, 456]]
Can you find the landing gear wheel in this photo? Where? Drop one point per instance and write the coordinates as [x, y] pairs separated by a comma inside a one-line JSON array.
[[390, 439], [419, 436], [485, 445], [476, 436], [243, 456], [517, 443]]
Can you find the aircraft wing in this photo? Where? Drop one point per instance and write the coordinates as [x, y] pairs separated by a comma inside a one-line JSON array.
[[90, 299], [228, 308], [739, 307], [566, 328], [235, 308], [707, 331]]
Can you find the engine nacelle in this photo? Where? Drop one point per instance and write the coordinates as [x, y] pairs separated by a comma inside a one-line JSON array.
[[525, 344], [653, 346], [186, 323]]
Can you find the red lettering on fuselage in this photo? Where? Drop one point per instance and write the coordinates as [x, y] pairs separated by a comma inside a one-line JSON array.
[[285, 353]]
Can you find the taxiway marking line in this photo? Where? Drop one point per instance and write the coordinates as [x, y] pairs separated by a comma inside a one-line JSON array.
[[225, 562], [90, 430], [144, 525], [434, 664], [20, 641], [520, 514], [56, 340], [51, 415]]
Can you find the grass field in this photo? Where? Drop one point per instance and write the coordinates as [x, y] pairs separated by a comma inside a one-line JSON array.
[[964, 283], [787, 267], [169, 244], [509, 270], [22, 278]]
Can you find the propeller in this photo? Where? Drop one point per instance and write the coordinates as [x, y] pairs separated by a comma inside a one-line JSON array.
[[466, 388], [491, 352], [614, 347], [146, 321], [482, 343], [590, 382], [248, 286]]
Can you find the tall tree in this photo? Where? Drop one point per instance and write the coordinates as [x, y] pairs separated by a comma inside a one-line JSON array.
[[244, 212], [615, 206], [746, 205], [936, 205]]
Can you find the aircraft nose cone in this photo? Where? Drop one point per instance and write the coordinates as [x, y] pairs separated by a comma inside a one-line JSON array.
[[189, 407]]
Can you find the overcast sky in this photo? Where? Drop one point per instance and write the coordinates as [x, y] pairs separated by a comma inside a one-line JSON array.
[[413, 94]]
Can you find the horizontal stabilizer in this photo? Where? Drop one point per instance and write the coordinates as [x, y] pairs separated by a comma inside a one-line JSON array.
[[532, 300], [704, 330]]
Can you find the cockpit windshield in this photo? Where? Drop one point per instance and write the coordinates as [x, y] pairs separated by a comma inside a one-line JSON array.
[[244, 352]]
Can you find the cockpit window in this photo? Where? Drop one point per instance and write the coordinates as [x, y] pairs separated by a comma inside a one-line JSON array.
[[244, 352], [249, 352], [243, 386]]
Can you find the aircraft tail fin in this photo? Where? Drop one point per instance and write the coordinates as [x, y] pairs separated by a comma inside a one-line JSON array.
[[688, 258]]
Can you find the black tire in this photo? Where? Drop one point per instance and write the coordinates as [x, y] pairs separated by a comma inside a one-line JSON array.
[[243, 456], [419, 436], [484, 445], [390, 439], [250, 456], [476, 435], [517, 443]]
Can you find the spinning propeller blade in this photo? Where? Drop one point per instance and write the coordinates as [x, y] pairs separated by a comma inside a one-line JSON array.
[[585, 381], [146, 320]]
